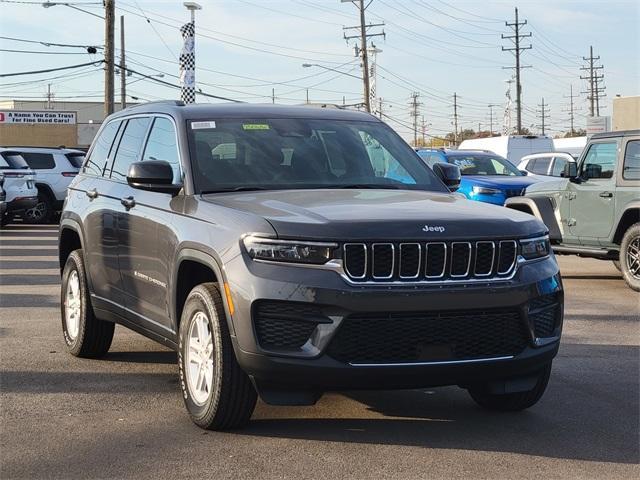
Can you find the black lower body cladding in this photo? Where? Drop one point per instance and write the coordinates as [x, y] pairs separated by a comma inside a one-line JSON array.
[[303, 331]]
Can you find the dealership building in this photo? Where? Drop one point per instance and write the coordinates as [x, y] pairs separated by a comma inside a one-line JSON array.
[[50, 124]]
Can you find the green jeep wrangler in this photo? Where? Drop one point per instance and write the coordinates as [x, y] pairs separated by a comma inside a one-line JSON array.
[[594, 211]]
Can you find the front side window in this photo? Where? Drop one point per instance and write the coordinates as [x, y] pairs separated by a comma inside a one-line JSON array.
[[161, 145], [129, 147], [39, 161], [631, 169], [558, 166], [303, 153], [97, 160], [600, 161], [473, 164]]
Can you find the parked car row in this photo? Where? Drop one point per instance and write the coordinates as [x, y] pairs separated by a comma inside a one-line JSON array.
[[36, 180]]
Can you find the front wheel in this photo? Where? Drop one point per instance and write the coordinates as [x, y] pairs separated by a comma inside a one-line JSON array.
[[512, 402], [217, 393], [630, 257]]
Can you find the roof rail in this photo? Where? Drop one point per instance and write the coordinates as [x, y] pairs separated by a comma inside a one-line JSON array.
[[177, 103]]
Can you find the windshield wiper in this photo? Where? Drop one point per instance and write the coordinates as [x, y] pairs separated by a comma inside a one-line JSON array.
[[356, 186]]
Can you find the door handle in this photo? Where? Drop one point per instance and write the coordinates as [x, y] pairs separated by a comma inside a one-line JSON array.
[[606, 194], [128, 202], [93, 193]]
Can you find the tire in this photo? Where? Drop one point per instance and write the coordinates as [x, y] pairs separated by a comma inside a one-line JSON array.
[[616, 263], [230, 398], [630, 257], [512, 402], [41, 213], [84, 334], [5, 219]]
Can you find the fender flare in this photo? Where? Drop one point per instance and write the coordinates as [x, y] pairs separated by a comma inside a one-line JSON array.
[[72, 224], [209, 260], [544, 209]]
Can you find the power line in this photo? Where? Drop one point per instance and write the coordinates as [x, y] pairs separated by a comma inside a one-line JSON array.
[[34, 72], [49, 44]]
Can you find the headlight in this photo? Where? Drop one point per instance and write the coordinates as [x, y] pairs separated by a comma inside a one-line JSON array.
[[315, 253], [486, 191], [535, 247]]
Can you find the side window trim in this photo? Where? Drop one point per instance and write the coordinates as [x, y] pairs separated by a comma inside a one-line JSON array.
[[108, 165]]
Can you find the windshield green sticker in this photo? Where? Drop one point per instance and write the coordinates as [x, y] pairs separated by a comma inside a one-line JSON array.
[[255, 126]]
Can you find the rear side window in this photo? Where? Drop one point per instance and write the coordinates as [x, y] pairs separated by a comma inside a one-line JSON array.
[[75, 159], [11, 161], [161, 145], [130, 147], [540, 165], [39, 161], [631, 169], [98, 158]]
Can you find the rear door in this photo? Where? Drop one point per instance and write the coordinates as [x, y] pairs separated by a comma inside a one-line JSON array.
[[92, 196], [147, 240], [592, 202]]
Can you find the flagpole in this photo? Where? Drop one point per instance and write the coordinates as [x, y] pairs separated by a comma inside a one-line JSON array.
[[188, 56]]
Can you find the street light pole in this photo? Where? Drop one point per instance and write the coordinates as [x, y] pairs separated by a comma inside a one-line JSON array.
[[123, 73]]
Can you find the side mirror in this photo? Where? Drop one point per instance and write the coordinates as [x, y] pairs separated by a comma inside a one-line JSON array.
[[449, 174], [152, 175], [524, 172], [570, 171]]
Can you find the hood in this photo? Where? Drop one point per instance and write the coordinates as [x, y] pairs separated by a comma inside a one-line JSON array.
[[494, 181], [379, 215], [554, 185]]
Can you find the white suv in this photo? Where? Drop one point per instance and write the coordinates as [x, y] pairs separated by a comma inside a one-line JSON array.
[[55, 168], [545, 166], [19, 184]]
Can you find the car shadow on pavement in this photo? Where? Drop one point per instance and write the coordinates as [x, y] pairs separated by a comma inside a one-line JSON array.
[[164, 357], [591, 277], [594, 417], [28, 300]]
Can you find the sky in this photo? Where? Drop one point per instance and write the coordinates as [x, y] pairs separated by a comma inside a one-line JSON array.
[[249, 50]]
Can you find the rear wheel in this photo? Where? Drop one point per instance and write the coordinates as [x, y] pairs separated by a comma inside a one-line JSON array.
[[630, 257], [217, 393], [84, 334], [41, 212], [512, 402]]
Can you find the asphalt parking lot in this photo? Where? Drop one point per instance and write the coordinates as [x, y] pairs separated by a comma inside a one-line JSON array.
[[123, 416]]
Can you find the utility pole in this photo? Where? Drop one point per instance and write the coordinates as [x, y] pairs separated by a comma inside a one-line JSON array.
[[595, 91], [544, 113], [491, 105], [109, 21], [455, 118], [123, 72], [273, 95], [517, 49], [362, 49], [424, 132], [415, 113], [307, 96], [380, 107], [49, 96], [571, 110]]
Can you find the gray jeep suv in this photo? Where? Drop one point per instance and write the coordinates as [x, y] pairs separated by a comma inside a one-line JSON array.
[[286, 251]]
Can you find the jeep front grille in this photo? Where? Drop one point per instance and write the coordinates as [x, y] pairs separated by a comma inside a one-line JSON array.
[[432, 261]]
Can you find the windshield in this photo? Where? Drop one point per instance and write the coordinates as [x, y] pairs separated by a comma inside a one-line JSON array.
[[473, 164], [246, 154], [11, 161]]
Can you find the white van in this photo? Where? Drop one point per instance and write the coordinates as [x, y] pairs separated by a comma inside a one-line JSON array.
[[511, 147], [571, 145]]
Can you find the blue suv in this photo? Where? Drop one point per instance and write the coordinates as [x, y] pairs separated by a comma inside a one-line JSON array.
[[486, 177]]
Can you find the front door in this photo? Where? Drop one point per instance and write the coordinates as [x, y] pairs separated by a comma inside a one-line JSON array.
[[592, 202], [147, 240]]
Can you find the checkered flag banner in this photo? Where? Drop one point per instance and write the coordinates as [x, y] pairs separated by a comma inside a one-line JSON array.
[[188, 63]]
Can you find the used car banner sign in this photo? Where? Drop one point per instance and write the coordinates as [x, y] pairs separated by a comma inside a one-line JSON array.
[[48, 117]]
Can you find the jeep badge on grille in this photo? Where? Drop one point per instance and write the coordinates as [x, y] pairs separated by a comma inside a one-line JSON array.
[[429, 228]]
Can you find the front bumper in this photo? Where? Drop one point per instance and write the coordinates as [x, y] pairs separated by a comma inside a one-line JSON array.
[[312, 369]]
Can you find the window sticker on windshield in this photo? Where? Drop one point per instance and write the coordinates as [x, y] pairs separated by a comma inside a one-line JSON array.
[[463, 163], [255, 126], [201, 125]]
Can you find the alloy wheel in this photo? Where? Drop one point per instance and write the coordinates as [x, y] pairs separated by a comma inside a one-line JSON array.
[[72, 305], [200, 358], [633, 257], [36, 213]]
